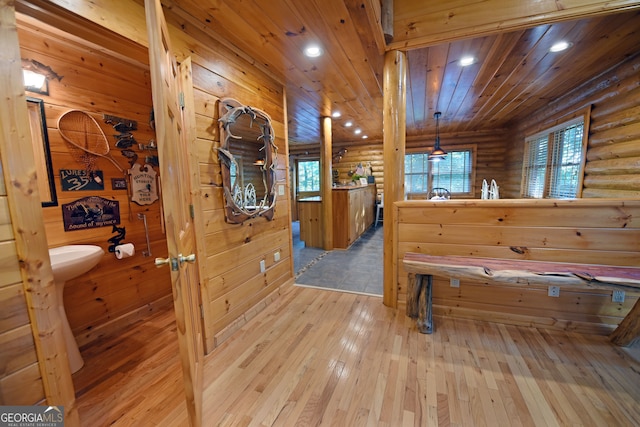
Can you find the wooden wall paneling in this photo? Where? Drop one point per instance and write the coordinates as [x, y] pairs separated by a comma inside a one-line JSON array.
[[612, 152], [585, 230], [233, 251], [18, 350], [233, 305], [115, 288], [32, 366], [543, 254]]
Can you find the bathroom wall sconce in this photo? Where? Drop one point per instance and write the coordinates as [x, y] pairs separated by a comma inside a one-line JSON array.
[[35, 82]]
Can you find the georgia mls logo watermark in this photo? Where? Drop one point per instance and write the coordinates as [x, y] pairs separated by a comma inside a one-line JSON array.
[[31, 416]]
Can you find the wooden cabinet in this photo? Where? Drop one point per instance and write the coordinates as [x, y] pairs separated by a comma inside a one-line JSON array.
[[310, 216], [353, 213]]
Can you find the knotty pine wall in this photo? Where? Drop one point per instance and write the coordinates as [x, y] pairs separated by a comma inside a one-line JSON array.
[[613, 151], [20, 379], [116, 292], [593, 231], [233, 288]]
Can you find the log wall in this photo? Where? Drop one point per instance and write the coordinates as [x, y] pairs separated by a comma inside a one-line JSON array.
[[613, 151], [20, 378], [603, 231], [490, 149]]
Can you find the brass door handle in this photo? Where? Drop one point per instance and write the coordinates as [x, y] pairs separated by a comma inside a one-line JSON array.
[[189, 258], [162, 261]]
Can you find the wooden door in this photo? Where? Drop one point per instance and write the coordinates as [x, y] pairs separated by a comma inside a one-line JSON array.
[[174, 142]]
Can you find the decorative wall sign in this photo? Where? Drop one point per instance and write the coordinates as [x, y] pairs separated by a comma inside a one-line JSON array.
[[90, 212], [118, 183], [81, 180], [144, 189]]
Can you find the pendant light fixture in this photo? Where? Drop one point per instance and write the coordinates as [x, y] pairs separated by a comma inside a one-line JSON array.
[[437, 153]]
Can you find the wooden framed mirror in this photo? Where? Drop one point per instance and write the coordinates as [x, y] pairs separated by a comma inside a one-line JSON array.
[[248, 158], [41, 152]]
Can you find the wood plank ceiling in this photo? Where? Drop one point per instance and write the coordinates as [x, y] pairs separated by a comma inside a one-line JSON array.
[[513, 75]]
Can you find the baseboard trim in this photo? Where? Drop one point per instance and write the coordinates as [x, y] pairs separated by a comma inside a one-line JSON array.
[[234, 326]]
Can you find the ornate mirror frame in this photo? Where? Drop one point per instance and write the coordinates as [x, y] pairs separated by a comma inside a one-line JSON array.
[[241, 202]]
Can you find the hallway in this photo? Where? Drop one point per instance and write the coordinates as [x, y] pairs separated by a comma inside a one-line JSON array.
[[357, 269], [334, 358]]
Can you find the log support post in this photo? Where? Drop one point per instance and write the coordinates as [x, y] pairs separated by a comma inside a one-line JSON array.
[[394, 138], [326, 185]]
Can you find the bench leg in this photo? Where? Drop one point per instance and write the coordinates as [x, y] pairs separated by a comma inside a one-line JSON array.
[[629, 329], [413, 292], [425, 302]]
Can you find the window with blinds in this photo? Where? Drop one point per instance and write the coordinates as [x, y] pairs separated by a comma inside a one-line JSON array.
[[455, 172], [416, 172], [553, 162]]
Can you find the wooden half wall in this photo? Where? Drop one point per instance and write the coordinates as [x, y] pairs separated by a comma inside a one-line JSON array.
[[593, 231]]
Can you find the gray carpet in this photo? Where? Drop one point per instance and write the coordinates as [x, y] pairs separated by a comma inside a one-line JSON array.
[[357, 269]]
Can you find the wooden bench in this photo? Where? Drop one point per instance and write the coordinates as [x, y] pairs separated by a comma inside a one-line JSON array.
[[422, 267]]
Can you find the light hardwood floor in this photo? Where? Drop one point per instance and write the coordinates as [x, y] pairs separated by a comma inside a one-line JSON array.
[[317, 357]]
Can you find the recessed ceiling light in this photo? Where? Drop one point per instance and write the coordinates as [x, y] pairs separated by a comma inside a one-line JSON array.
[[313, 51], [348, 124], [336, 114], [364, 137], [358, 131], [467, 60], [560, 46]]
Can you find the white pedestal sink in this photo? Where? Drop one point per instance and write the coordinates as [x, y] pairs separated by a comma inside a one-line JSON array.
[[69, 262]]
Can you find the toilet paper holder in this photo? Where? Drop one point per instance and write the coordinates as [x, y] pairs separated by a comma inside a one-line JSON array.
[[143, 217]]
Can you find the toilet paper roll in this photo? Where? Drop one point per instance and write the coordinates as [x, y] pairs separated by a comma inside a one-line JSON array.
[[125, 251]]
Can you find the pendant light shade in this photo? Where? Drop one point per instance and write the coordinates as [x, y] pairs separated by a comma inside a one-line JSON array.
[[437, 153]]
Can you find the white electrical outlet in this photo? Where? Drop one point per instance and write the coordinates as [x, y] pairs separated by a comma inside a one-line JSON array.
[[281, 190], [554, 291], [263, 266], [455, 283], [618, 296], [276, 256]]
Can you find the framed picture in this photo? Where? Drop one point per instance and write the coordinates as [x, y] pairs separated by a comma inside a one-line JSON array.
[[363, 181]]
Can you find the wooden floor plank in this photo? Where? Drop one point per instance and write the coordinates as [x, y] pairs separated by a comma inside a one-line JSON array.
[[317, 357]]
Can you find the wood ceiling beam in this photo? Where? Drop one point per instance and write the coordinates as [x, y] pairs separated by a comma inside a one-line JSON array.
[[421, 24], [374, 16]]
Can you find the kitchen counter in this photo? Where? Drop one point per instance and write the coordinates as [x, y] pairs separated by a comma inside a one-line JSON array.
[[353, 213]]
